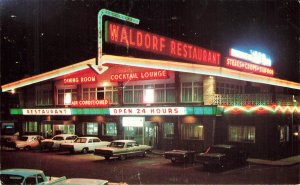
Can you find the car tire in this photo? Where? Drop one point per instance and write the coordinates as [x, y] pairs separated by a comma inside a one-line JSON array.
[[144, 154], [27, 148], [122, 157], [106, 157], [85, 150], [173, 160]]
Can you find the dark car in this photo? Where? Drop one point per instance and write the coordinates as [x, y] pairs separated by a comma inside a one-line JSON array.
[[180, 155], [222, 156]]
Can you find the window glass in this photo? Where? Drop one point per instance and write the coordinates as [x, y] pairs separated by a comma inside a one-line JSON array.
[[192, 132], [31, 126], [168, 130], [92, 129], [241, 134], [40, 178], [109, 129], [283, 133], [192, 92], [61, 95], [96, 140]]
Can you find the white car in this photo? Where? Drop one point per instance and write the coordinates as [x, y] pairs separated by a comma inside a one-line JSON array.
[[28, 142], [84, 144], [57, 140]]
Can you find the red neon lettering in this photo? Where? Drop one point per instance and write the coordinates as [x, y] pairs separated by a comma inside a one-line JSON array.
[[154, 43], [162, 44], [124, 36], [139, 39], [131, 42], [114, 32], [147, 41]]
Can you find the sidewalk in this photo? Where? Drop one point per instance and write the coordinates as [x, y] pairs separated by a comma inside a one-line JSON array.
[[282, 162]]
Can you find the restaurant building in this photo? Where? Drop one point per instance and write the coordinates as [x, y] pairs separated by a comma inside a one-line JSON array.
[[199, 99]]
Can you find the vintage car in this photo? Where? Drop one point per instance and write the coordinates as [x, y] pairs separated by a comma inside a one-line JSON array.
[[84, 144], [27, 176], [57, 140], [85, 181], [222, 156], [180, 155], [28, 142], [123, 149]]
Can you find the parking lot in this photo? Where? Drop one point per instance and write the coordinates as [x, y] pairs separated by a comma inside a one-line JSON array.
[[152, 169]]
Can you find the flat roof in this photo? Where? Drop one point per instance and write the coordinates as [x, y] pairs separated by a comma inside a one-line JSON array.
[[154, 64]]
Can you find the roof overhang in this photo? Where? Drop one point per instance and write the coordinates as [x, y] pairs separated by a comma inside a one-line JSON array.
[[156, 64]]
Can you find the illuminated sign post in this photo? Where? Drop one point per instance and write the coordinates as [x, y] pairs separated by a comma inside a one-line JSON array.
[[116, 15], [258, 63], [138, 39]]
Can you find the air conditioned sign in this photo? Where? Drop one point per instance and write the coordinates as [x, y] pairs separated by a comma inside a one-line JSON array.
[[90, 103], [134, 38], [149, 75]]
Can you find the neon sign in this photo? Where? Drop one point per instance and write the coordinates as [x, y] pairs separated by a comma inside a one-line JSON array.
[[148, 111], [46, 111], [79, 80], [149, 75], [248, 67], [262, 109], [254, 57], [134, 38], [90, 103]]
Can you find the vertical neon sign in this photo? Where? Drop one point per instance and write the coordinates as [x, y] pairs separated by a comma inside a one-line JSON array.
[[109, 13]]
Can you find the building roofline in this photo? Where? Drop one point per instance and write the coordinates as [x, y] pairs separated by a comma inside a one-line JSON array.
[[156, 64]]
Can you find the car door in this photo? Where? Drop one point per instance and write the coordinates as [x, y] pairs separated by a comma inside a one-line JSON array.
[[96, 143]]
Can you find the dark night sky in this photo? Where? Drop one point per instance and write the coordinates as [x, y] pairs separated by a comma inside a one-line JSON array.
[[41, 35]]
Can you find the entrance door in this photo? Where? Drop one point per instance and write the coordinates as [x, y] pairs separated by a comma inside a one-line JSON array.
[[150, 134]]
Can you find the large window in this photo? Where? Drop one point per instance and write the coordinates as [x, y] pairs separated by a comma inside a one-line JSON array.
[[30, 126], [163, 93], [192, 132], [43, 95], [61, 95], [109, 129], [110, 93], [241, 134], [92, 128], [283, 133], [168, 130], [192, 92]]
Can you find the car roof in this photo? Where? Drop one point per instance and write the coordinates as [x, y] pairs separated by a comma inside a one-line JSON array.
[[124, 140], [224, 146], [89, 137], [21, 172], [65, 135], [82, 181]]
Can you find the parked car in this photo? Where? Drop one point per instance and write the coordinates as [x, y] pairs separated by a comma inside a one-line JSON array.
[[28, 142], [180, 155], [56, 141], [84, 144], [222, 156], [27, 176], [123, 149], [84, 181]]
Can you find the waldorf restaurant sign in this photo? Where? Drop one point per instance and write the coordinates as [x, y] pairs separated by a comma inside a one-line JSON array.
[[129, 111], [134, 38]]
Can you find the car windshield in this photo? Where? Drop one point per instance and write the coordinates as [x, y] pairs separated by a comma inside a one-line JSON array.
[[11, 179], [117, 144], [217, 150], [58, 138], [23, 138], [80, 140]]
